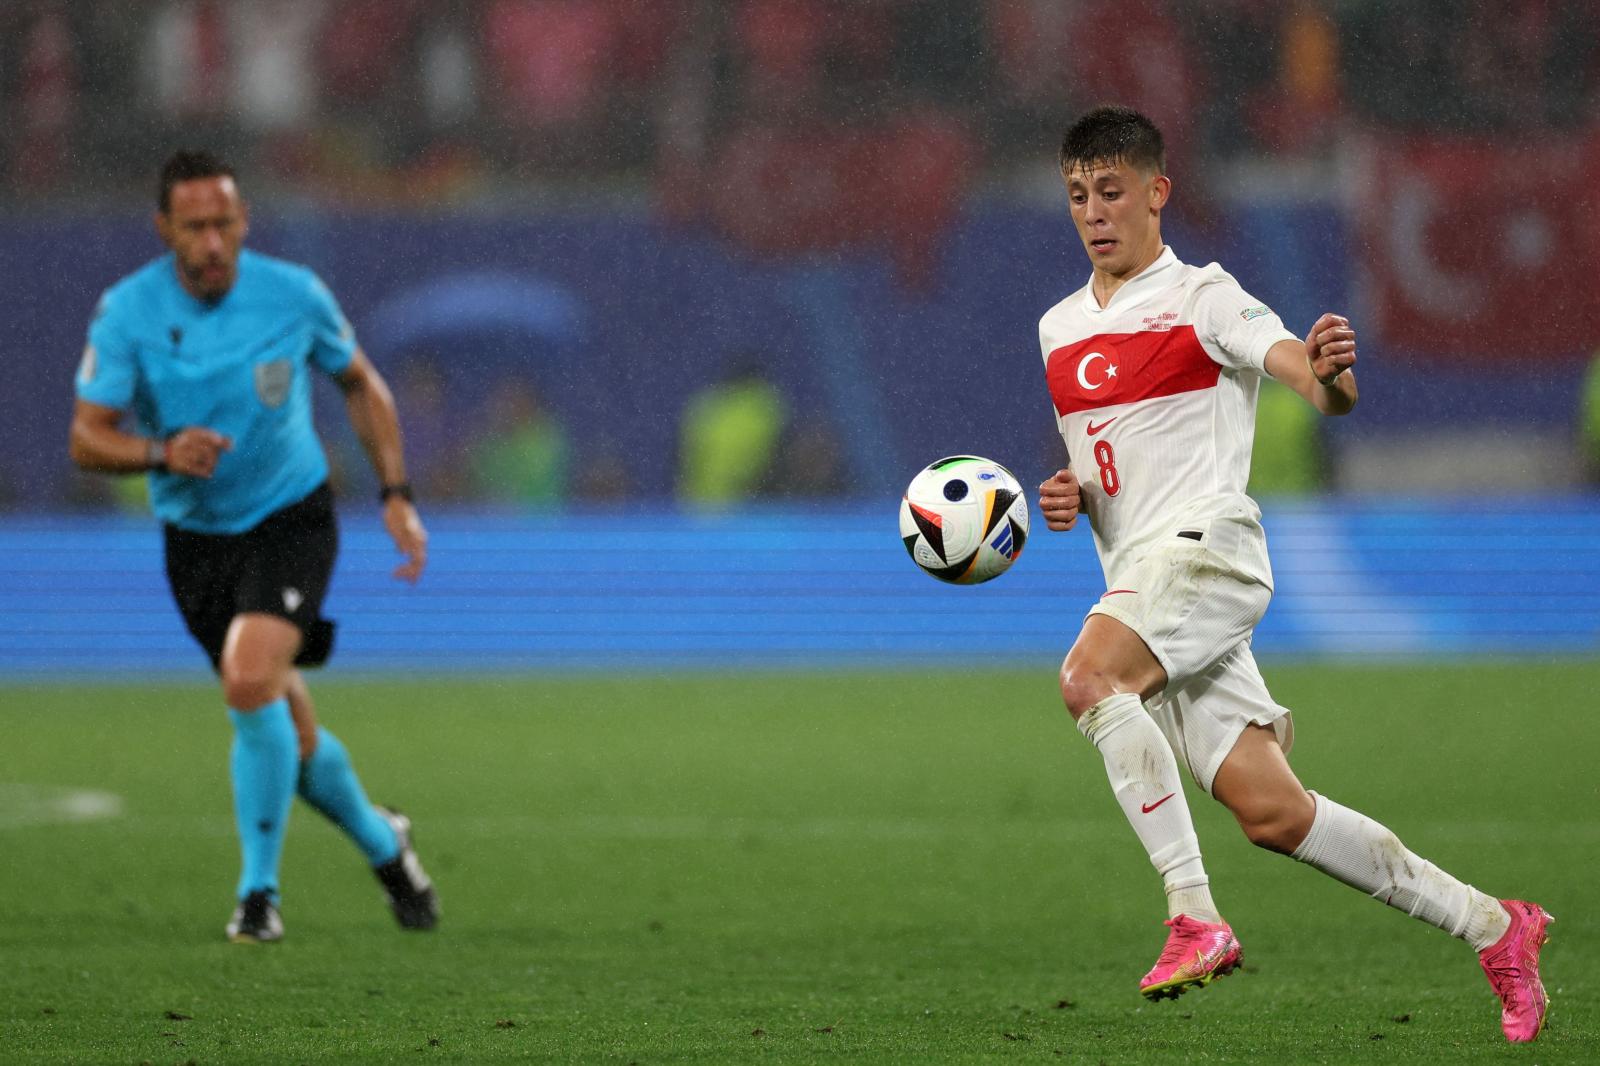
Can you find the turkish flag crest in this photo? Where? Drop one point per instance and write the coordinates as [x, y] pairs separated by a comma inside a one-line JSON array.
[[1116, 368], [1086, 375], [1483, 249]]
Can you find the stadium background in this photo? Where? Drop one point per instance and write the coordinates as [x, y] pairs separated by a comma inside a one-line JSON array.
[[614, 204], [707, 780]]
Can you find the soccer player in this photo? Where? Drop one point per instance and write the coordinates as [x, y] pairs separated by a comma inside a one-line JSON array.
[[1153, 368], [211, 349]]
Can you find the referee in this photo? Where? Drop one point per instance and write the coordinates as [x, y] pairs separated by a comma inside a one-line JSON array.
[[210, 348]]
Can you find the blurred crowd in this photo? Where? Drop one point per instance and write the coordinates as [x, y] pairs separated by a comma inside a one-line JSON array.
[[788, 126], [412, 101], [738, 440]]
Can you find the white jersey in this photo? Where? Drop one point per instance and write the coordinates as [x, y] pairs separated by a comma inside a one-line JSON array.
[[1155, 396]]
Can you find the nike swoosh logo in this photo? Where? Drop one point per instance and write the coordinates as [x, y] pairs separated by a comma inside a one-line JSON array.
[[1093, 429], [1146, 808]]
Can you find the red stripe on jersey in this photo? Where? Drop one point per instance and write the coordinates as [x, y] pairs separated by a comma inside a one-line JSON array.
[[1115, 368]]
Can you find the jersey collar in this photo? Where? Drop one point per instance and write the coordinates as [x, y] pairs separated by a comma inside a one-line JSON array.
[[192, 303], [1136, 290]]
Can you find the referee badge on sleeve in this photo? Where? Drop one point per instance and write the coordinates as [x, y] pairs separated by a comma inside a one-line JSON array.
[[86, 367], [272, 381]]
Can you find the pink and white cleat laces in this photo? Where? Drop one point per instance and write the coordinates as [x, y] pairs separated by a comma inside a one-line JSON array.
[[1512, 966], [1196, 954]]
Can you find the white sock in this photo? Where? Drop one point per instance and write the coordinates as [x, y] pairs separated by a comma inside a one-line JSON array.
[[1350, 847], [1144, 777]]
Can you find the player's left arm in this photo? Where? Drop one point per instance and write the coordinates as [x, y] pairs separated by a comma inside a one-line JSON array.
[[377, 424], [1319, 368]]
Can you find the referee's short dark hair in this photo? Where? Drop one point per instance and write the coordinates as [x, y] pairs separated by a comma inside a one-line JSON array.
[[188, 165], [1111, 135]]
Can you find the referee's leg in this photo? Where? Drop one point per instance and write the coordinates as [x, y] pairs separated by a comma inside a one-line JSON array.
[[329, 784], [258, 660], [256, 664], [304, 713]]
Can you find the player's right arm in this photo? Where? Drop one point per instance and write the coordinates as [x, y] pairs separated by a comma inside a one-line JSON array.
[[99, 443]]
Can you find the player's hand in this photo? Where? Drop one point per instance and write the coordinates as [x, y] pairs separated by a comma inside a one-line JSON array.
[[1331, 347], [194, 450], [1058, 500], [405, 529]]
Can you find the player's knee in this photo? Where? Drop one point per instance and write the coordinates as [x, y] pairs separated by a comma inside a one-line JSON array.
[[1279, 828], [1083, 687], [1271, 834], [246, 689]]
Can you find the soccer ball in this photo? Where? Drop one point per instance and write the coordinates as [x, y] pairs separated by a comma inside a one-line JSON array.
[[964, 519]]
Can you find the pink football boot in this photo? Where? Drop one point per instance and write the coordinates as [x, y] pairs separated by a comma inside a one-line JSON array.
[[1512, 966], [1196, 954]]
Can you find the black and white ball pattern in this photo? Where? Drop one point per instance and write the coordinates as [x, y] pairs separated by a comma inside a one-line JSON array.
[[964, 519]]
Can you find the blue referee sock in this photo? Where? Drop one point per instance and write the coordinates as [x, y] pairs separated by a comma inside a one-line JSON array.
[[328, 782], [265, 752]]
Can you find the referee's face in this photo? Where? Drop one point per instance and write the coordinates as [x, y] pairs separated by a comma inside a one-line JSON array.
[[205, 225]]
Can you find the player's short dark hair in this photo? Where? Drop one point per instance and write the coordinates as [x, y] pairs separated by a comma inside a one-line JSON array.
[[1110, 135], [188, 165]]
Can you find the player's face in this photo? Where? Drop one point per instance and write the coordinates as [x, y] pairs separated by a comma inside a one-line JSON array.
[[205, 225], [1117, 211]]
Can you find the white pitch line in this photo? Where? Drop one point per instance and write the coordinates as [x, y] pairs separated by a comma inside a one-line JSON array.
[[33, 805]]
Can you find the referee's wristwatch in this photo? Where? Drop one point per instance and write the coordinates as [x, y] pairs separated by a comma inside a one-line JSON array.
[[155, 454], [401, 489]]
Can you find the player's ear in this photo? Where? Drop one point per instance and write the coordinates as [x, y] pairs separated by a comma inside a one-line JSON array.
[[1160, 191], [164, 228]]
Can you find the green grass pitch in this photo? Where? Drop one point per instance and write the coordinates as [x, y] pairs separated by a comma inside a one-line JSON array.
[[877, 867]]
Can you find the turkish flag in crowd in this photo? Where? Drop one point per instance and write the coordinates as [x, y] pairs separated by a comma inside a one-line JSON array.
[[1485, 249]]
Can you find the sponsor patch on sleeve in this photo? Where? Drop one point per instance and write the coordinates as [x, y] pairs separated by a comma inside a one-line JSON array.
[[86, 367], [1255, 312]]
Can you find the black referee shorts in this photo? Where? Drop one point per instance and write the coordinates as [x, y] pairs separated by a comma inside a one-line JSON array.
[[280, 567]]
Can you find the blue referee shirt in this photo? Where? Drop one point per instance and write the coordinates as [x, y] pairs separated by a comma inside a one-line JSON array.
[[239, 366]]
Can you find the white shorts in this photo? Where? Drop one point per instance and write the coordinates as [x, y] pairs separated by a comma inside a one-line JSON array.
[[1203, 718], [1194, 601], [1195, 595]]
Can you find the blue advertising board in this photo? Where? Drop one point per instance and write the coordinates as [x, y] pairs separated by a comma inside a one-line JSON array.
[[649, 589]]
